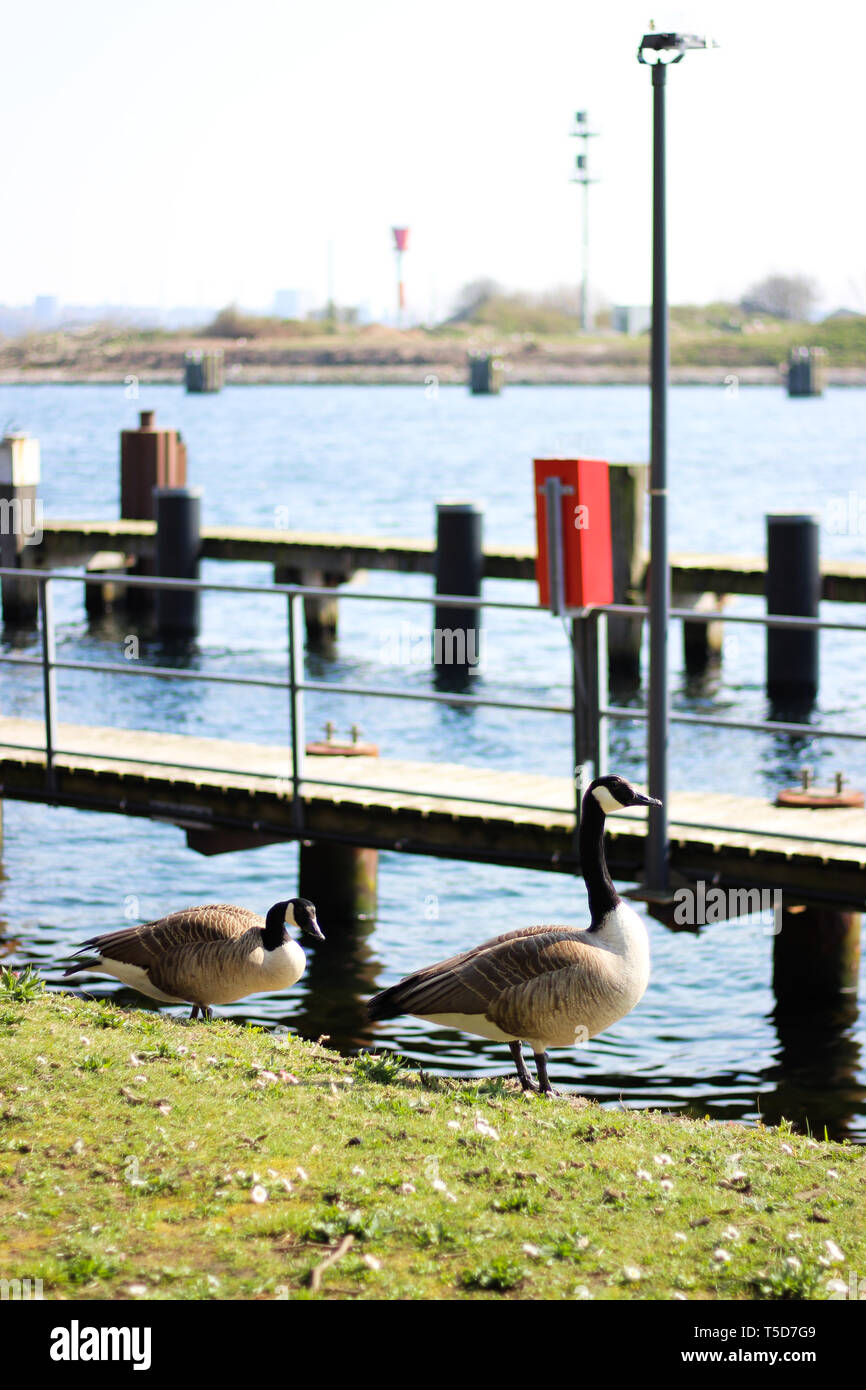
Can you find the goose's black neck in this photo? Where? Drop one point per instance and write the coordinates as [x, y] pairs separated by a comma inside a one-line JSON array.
[[603, 897], [275, 933]]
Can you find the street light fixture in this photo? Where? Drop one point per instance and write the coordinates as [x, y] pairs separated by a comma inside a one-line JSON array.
[[660, 51]]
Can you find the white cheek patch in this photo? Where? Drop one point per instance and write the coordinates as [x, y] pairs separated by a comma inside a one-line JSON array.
[[606, 801]]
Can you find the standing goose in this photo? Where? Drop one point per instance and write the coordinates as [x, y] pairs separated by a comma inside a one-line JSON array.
[[547, 986], [206, 955]]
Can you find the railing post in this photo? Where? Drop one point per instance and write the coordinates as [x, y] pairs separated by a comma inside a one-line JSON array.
[[296, 705], [602, 666], [49, 680]]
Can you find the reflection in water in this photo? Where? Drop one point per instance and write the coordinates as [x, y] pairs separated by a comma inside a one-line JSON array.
[[341, 972], [815, 1077]]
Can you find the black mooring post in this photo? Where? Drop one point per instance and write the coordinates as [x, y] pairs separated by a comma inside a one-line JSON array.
[[660, 578], [793, 590], [178, 545], [459, 571]]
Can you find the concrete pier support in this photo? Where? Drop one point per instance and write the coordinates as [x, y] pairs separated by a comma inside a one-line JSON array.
[[204, 372], [702, 642], [816, 958], [628, 493], [459, 570], [342, 880], [485, 374], [320, 614], [20, 524]]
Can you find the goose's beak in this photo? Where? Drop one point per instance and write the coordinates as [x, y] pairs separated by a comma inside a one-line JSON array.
[[315, 930], [641, 800]]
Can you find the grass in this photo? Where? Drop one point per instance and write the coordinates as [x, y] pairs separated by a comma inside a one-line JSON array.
[[145, 1157]]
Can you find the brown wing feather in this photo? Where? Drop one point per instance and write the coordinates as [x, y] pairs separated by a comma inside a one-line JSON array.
[[472, 982], [151, 942]]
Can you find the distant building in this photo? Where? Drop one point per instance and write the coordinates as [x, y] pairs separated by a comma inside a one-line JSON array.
[[46, 310], [630, 318]]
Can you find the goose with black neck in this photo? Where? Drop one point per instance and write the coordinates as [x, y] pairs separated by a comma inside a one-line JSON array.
[[546, 986]]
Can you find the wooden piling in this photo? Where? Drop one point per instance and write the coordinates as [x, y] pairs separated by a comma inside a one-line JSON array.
[[342, 880], [459, 569], [793, 589], [628, 491], [816, 957], [20, 525], [178, 546], [149, 458]]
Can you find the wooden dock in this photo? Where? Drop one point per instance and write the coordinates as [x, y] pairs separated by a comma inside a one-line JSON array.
[[69, 543], [228, 795]]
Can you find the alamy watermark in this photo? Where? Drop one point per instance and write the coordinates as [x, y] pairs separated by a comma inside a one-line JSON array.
[[18, 1290], [407, 645], [22, 517], [699, 906]]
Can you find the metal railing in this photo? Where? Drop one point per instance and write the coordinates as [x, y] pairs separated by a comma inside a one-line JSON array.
[[589, 709]]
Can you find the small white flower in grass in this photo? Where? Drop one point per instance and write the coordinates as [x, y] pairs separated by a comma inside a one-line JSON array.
[[438, 1185], [837, 1287], [834, 1254], [483, 1128], [136, 1290], [730, 1233], [141, 1079], [666, 1185], [722, 1257], [792, 1263], [680, 1297], [269, 1076], [258, 1194], [632, 1274], [680, 1236], [182, 1051], [643, 1176], [453, 1124], [531, 1250], [832, 1173], [85, 1041], [582, 1293], [78, 1147], [315, 1149], [812, 1144], [213, 1282], [285, 1183], [663, 1160], [786, 1149], [289, 1078], [357, 1172], [301, 1175], [371, 1262], [407, 1188], [794, 1235]]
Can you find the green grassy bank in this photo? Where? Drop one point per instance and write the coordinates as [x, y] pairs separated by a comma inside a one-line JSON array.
[[143, 1157]]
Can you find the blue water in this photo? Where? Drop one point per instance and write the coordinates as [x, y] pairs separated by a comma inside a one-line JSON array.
[[376, 460]]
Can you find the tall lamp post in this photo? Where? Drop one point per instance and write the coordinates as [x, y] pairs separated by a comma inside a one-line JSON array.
[[581, 164], [659, 51]]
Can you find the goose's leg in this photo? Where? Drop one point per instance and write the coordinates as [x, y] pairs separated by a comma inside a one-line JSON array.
[[194, 1015], [523, 1076], [544, 1085], [206, 1012]]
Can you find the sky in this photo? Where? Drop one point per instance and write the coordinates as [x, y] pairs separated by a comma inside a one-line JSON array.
[[204, 152]]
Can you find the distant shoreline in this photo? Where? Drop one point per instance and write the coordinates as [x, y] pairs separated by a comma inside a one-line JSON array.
[[420, 376]]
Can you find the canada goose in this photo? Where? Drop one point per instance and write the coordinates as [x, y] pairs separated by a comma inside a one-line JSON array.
[[549, 986], [206, 955]]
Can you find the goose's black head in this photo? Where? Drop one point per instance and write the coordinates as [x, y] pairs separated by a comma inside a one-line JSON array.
[[614, 794], [296, 912]]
